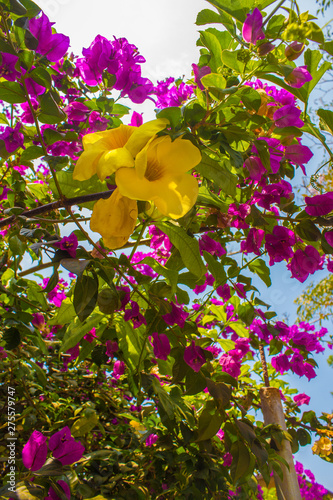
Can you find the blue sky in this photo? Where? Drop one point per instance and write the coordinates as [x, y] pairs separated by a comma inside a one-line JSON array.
[[165, 34]]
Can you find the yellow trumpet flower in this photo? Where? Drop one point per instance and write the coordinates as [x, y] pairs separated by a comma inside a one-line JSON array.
[[104, 152], [160, 175], [114, 219]]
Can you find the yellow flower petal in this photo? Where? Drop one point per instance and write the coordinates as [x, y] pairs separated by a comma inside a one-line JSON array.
[[177, 197], [86, 165], [114, 219], [160, 176], [95, 145], [173, 196], [142, 134], [110, 161], [177, 157]]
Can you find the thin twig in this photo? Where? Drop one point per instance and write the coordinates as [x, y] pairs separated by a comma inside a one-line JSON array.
[[78, 200]]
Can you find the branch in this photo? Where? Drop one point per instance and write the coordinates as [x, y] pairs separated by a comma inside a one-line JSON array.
[[30, 214]]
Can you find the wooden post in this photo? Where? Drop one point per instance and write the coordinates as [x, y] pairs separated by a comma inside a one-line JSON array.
[[272, 410]]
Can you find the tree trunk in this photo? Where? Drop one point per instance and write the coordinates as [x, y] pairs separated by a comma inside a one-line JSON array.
[[272, 410]]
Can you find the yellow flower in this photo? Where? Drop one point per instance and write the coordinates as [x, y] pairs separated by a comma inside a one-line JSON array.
[[160, 176], [322, 447], [104, 152], [114, 219]]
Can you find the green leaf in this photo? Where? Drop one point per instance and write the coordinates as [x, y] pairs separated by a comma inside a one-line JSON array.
[[259, 267], [173, 114], [50, 111], [251, 99], [214, 80], [52, 467], [31, 153], [239, 328], [219, 391], [312, 59], [195, 382], [307, 230], [216, 268], [77, 330], [208, 199], [12, 338], [42, 77], [241, 460], [131, 343], [231, 59], [188, 247], [328, 46], [212, 43], [16, 245], [219, 173], [326, 120], [72, 188], [209, 425], [17, 8], [84, 424], [32, 9], [85, 296], [12, 92], [39, 372], [235, 8], [207, 16], [315, 33], [53, 281]]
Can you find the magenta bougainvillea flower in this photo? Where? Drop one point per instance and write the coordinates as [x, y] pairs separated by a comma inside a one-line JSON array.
[[97, 122], [298, 154], [118, 368], [288, 116], [64, 447], [151, 439], [255, 168], [3, 353], [230, 364], [298, 77], [253, 241], [38, 320], [199, 73], [279, 243], [69, 244], [34, 452], [161, 346], [12, 138], [211, 246], [77, 112], [281, 363], [52, 45], [136, 119], [252, 27], [322, 204], [239, 213], [223, 291], [194, 356], [173, 96], [111, 347], [7, 67], [272, 194], [302, 399], [304, 262], [120, 59], [176, 316], [134, 314], [64, 486]]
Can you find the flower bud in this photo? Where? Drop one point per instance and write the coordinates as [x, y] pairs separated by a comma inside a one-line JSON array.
[[265, 48], [294, 50]]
